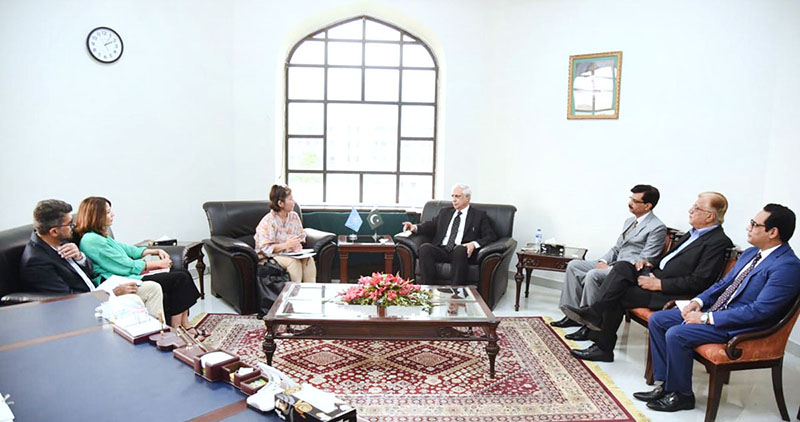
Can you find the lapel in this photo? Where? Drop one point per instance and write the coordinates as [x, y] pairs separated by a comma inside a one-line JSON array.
[[766, 263], [469, 220], [50, 252], [694, 244]]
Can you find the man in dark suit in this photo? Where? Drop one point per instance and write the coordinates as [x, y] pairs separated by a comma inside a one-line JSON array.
[[756, 293], [694, 263], [457, 232], [51, 262]]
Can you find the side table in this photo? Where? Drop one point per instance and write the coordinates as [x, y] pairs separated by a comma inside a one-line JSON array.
[[365, 243], [188, 252], [530, 261]]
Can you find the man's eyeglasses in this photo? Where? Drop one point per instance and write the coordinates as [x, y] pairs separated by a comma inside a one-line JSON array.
[[753, 224], [638, 201], [696, 208], [70, 225]]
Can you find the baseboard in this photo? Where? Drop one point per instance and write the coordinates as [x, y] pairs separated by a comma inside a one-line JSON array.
[[547, 279]]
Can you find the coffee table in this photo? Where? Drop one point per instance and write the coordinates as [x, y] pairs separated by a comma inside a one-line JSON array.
[[311, 311], [365, 243]]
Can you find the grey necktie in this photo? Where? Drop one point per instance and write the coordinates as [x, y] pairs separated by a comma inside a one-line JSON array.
[[451, 241]]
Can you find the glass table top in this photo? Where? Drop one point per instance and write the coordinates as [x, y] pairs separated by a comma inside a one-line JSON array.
[[321, 301]]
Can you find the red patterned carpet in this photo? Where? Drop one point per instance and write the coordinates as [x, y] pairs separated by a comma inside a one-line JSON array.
[[537, 379]]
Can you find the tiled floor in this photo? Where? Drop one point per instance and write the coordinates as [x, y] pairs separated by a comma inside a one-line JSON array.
[[748, 397]]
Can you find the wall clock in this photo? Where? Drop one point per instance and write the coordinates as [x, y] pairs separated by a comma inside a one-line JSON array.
[[104, 44]]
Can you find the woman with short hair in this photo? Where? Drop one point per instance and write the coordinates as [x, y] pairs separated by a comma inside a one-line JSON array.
[[282, 231]]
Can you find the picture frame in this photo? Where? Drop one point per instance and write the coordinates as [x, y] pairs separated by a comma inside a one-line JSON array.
[[594, 83]]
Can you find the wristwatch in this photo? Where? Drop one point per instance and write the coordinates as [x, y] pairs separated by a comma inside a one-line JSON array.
[[704, 318]]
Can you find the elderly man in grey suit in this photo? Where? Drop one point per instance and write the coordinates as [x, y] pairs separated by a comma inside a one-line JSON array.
[[642, 238]]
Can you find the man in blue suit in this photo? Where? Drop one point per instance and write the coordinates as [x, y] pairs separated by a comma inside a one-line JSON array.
[[755, 294]]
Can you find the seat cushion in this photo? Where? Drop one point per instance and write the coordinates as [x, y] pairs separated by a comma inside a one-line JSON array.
[[641, 315]]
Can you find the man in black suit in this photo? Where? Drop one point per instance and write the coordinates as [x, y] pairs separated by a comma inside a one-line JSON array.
[[693, 263], [457, 232], [51, 262]]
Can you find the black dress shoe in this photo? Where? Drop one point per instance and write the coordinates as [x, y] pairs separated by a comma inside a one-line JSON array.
[[671, 402], [593, 353], [585, 315], [655, 394], [580, 335], [564, 323]]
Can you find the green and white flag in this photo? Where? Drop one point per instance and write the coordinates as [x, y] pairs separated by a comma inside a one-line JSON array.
[[374, 219]]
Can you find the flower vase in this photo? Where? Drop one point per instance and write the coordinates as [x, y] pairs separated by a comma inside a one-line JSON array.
[[381, 311]]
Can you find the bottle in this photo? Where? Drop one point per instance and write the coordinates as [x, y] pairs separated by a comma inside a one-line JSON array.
[[537, 243]]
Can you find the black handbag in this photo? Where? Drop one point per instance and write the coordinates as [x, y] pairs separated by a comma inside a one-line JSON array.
[[271, 278]]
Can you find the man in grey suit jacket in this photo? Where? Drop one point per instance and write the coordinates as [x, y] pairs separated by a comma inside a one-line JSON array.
[[642, 238]]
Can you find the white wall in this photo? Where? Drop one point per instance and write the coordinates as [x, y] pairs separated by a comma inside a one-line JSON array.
[[193, 111]]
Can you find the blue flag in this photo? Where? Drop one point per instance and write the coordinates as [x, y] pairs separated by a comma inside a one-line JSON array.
[[353, 221]]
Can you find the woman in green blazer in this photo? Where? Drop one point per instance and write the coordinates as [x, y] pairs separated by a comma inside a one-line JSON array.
[[111, 257]]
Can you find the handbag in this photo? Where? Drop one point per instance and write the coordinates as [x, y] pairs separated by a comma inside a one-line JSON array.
[[271, 278]]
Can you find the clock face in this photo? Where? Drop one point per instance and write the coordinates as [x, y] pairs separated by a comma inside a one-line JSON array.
[[104, 44]]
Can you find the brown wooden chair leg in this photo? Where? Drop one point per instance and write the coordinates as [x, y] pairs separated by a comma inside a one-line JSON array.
[[777, 387], [648, 369], [715, 384]]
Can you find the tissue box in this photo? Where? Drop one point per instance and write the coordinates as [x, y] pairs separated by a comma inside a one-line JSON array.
[[553, 249], [209, 366], [309, 404], [232, 373]]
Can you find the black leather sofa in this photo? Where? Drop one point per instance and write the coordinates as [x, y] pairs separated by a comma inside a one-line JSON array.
[[12, 291], [490, 270], [232, 256], [12, 243]]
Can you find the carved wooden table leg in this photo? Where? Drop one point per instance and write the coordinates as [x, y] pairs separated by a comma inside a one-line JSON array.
[[518, 279], [527, 281], [492, 348], [343, 266], [201, 269], [269, 342], [388, 259]]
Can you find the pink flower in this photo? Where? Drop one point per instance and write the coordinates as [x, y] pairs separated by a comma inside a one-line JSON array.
[[391, 296]]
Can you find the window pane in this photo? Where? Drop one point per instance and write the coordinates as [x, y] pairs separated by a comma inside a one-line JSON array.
[[362, 137], [379, 31], [407, 38], [309, 52], [415, 55], [419, 86], [319, 35], [415, 190], [347, 31], [306, 83], [382, 54], [344, 84], [342, 189], [417, 122], [305, 153], [381, 85], [346, 53], [416, 156], [379, 189], [306, 188], [305, 119]]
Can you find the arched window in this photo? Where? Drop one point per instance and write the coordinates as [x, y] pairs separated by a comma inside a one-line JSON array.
[[361, 115]]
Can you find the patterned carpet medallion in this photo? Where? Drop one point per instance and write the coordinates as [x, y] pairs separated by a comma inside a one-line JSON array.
[[537, 379]]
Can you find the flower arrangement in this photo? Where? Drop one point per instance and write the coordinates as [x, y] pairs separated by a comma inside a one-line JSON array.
[[387, 290]]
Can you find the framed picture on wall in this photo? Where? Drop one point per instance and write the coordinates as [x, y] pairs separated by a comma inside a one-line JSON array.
[[594, 81]]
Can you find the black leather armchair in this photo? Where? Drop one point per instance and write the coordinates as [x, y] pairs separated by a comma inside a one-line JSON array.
[[12, 291], [490, 272], [232, 256]]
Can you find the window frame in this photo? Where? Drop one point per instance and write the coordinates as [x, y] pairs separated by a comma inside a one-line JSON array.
[[396, 172]]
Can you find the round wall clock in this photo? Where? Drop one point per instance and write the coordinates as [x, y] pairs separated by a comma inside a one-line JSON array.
[[104, 44]]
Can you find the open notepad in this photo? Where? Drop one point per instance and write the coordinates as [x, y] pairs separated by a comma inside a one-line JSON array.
[[302, 253]]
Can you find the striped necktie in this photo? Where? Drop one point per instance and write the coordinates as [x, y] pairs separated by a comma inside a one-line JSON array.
[[630, 229], [451, 241], [722, 302]]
